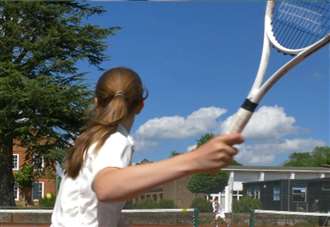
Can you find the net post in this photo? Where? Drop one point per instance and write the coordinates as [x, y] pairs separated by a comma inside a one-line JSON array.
[[252, 220], [196, 217]]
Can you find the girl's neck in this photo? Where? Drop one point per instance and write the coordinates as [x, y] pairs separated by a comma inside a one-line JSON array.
[[128, 123]]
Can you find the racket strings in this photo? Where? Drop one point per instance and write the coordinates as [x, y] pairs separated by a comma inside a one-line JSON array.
[[297, 23], [300, 18], [301, 25]]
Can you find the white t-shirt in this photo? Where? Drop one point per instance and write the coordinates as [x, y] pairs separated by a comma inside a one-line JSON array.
[[76, 203]]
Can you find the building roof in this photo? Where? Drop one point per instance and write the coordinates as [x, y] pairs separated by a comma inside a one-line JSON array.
[[313, 180], [276, 169]]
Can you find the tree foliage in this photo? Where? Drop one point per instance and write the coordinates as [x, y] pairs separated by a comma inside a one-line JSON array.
[[208, 183], [24, 177], [204, 139], [43, 97], [202, 204], [174, 153], [48, 201], [320, 156], [246, 204]]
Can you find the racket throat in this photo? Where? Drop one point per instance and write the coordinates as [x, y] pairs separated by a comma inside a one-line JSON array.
[[242, 116], [249, 105]]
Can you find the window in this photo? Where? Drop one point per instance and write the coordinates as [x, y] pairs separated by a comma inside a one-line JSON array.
[[16, 192], [276, 193], [38, 161], [254, 191], [237, 194], [257, 193], [249, 192], [299, 194], [326, 186], [15, 161], [37, 190]]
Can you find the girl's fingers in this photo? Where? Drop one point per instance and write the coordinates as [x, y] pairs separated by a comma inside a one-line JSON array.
[[231, 139]]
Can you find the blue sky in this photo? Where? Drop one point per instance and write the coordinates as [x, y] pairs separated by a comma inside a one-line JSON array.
[[198, 60]]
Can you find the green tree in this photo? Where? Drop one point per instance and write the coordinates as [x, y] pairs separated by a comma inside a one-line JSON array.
[[320, 156], [208, 183], [202, 204], [246, 204], [24, 179], [204, 138], [300, 159], [174, 153], [48, 201], [43, 97], [166, 204]]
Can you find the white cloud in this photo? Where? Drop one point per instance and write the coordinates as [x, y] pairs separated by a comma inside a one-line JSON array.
[[267, 153], [198, 122], [270, 135], [144, 144], [178, 127], [268, 122]]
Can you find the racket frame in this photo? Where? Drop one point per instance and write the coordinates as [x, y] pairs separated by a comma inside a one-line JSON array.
[[258, 90]]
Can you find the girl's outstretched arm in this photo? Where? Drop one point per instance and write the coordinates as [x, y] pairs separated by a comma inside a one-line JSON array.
[[113, 184]]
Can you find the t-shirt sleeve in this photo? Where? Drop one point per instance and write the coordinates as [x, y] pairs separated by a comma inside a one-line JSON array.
[[116, 152]]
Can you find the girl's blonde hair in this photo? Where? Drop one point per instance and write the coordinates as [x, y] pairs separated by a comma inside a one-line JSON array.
[[119, 91]]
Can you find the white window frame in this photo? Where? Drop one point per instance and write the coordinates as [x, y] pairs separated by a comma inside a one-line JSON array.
[[276, 193], [325, 187], [42, 189], [42, 162], [17, 192], [301, 193], [17, 162]]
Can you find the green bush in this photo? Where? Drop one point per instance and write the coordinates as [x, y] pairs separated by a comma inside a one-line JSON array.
[[145, 204], [246, 204], [48, 201], [202, 204], [166, 203]]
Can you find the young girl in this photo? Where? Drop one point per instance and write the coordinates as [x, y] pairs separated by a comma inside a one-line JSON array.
[[98, 178]]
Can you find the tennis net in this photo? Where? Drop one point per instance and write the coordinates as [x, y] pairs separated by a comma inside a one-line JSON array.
[[272, 218], [133, 218]]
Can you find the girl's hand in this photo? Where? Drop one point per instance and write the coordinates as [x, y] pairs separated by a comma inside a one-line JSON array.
[[216, 153]]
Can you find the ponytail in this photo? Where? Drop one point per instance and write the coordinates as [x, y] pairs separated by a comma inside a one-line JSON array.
[[113, 106]]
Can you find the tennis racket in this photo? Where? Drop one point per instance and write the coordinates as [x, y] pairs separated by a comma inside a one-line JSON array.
[[295, 27]]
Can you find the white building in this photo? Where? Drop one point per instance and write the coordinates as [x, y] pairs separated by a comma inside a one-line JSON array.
[[241, 174]]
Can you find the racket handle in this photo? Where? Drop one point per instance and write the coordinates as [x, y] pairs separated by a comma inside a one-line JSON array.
[[241, 118]]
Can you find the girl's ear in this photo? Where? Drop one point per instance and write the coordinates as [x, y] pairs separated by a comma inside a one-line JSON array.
[[95, 101]]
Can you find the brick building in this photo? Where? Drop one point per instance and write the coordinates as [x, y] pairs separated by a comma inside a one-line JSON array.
[[41, 186], [175, 190]]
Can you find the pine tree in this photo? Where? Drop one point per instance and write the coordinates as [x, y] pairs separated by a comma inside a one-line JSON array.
[[43, 98]]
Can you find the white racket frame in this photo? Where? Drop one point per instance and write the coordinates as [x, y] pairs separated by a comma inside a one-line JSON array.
[[259, 89]]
